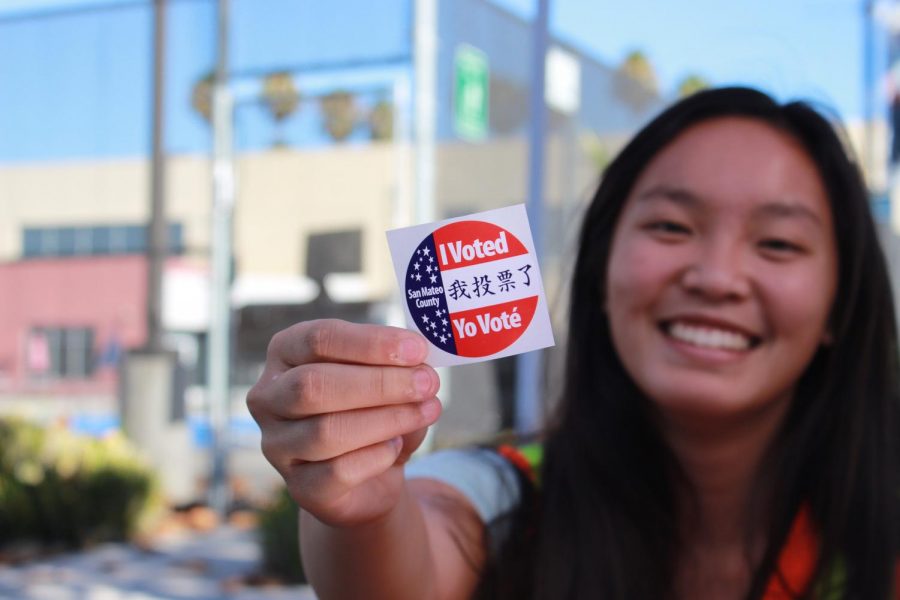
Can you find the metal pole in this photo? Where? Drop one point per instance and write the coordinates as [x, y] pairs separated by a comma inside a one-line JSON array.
[[402, 214], [156, 239], [869, 92], [402, 206], [220, 309], [148, 409], [425, 62], [528, 365], [425, 82]]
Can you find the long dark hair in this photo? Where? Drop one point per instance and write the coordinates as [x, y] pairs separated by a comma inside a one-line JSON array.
[[604, 523]]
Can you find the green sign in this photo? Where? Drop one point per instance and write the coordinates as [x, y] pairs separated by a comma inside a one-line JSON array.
[[470, 93]]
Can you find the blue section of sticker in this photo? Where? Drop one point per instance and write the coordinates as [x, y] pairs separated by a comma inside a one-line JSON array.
[[426, 299]]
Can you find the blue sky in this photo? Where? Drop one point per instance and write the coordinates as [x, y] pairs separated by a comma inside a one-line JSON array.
[[51, 68], [793, 48]]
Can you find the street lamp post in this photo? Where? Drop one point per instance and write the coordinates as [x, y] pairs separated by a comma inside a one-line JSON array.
[[156, 238], [528, 365], [150, 398], [219, 389]]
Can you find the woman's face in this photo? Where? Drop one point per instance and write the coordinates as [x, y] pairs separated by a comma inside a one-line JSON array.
[[723, 271]]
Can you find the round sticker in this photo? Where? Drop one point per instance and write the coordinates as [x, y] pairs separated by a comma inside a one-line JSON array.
[[469, 288]]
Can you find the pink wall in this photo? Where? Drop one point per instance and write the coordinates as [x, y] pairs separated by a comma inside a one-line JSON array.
[[103, 293]]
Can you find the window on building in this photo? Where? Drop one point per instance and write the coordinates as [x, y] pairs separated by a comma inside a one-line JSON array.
[[84, 241], [32, 243], [60, 353], [101, 240], [333, 252], [66, 241], [117, 239], [50, 242], [135, 239], [175, 238]]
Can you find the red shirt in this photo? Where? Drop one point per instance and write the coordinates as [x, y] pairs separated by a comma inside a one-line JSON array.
[[797, 562]]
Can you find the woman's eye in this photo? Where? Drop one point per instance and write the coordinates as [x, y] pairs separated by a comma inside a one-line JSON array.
[[780, 246], [669, 228]]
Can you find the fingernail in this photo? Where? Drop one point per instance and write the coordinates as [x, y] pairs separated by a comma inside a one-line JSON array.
[[430, 408], [410, 350], [422, 383], [396, 443]]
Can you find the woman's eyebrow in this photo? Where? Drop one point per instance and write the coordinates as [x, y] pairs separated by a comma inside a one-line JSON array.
[[676, 194], [788, 209]]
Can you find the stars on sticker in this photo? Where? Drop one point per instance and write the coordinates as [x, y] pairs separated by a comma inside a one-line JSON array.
[[443, 339], [418, 277], [427, 267], [433, 278], [416, 266], [425, 251]]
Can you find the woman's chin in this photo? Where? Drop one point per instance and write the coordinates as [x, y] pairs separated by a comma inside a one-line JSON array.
[[713, 409]]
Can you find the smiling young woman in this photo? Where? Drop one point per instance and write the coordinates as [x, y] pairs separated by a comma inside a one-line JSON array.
[[721, 277], [722, 272], [731, 384], [729, 426]]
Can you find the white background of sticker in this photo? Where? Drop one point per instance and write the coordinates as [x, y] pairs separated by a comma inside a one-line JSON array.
[[467, 274], [403, 243]]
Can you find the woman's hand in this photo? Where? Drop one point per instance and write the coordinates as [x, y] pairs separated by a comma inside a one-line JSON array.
[[342, 406]]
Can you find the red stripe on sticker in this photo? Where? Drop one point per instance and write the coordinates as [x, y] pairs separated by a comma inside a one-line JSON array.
[[488, 330], [466, 243]]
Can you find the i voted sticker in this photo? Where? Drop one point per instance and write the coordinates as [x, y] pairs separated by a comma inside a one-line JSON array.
[[472, 286]]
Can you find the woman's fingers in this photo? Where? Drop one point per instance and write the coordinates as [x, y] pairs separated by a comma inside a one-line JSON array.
[[319, 486], [333, 340], [326, 436], [339, 404], [319, 388], [411, 443]]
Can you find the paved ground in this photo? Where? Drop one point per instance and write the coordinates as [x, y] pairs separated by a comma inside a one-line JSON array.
[[186, 566]]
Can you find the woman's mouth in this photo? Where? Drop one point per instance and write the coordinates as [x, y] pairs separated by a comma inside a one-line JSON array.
[[708, 336]]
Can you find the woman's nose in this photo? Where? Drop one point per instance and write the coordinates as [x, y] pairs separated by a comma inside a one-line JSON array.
[[717, 274]]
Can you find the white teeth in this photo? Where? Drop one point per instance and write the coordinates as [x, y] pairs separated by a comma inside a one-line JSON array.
[[708, 337]]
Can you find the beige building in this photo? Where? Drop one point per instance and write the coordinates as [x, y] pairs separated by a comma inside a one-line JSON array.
[[284, 196], [300, 215]]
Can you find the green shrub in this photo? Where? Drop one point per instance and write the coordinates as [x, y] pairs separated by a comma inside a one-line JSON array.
[[58, 488], [278, 529]]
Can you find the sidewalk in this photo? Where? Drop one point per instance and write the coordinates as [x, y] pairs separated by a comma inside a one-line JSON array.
[[183, 566]]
